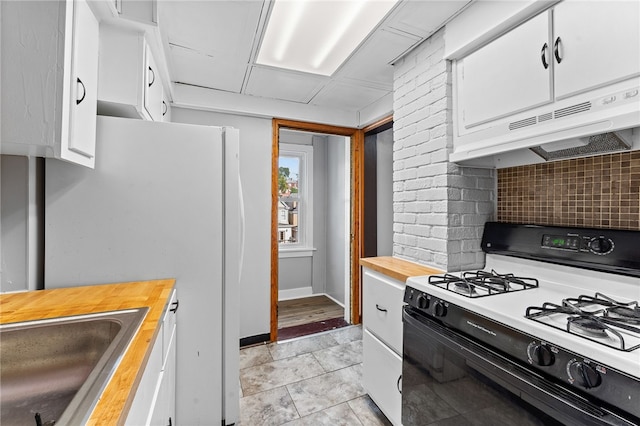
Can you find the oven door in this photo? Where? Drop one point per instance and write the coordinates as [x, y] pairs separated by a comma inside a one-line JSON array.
[[449, 377]]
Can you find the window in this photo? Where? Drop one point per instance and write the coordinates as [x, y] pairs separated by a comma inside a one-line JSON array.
[[295, 214]]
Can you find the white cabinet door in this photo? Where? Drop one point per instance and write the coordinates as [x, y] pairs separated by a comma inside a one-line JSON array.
[[153, 87], [146, 394], [599, 43], [129, 81], [507, 75], [382, 376], [48, 47], [164, 412], [84, 86]]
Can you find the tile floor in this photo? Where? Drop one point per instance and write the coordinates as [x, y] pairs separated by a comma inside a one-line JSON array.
[[314, 380]]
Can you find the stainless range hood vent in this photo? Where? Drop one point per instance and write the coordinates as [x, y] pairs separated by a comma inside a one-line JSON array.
[[581, 147]]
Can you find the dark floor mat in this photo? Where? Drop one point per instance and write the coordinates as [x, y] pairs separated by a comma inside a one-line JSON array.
[[311, 328]]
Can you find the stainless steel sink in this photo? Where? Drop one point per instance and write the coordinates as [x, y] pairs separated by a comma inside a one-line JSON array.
[[57, 368]]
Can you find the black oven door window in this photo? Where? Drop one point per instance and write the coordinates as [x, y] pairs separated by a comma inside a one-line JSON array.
[[442, 385]]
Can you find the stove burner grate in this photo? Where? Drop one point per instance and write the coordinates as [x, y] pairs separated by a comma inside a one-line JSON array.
[[600, 319], [482, 283]]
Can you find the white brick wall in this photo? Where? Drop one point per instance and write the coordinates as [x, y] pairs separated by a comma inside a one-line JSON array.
[[439, 207]]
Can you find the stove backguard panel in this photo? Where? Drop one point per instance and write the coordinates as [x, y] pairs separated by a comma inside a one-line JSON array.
[[607, 250]]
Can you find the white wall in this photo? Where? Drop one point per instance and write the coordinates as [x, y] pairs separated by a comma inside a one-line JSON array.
[[337, 197], [255, 173], [308, 273], [319, 267], [20, 223], [384, 196]]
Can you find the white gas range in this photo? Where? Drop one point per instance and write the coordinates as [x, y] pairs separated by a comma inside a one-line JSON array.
[[553, 317]]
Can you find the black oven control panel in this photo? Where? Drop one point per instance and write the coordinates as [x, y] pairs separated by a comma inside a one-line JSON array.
[[607, 250], [600, 245]]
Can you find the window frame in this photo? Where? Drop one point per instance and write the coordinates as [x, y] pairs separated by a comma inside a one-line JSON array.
[[304, 246]]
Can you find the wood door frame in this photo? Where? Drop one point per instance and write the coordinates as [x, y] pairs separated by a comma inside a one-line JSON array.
[[357, 143]]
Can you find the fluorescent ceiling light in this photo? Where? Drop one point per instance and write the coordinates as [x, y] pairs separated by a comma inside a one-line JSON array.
[[316, 36]]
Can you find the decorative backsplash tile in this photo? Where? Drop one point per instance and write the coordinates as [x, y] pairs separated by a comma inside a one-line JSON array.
[[598, 192]]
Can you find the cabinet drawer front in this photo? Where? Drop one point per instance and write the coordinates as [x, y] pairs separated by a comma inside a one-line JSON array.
[[382, 308], [382, 370]]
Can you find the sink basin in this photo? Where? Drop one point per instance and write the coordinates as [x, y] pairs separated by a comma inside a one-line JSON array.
[[57, 368]]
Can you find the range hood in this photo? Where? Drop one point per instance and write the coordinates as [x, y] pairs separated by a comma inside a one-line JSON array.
[[604, 143], [597, 122]]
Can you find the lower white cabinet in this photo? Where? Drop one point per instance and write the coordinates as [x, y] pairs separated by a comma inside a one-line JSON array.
[[382, 342], [154, 402], [382, 376]]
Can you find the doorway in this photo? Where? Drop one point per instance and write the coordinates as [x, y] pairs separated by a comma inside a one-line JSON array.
[[288, 235]]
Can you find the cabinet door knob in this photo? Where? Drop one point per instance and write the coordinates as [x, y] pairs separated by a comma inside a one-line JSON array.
[[84, 92], [153, 77], [543, 56], [556, 49]]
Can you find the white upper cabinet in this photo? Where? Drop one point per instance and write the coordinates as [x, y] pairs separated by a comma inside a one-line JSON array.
[[510, 74], [597, 44], [49, 79], [572, 48], [130, 84]]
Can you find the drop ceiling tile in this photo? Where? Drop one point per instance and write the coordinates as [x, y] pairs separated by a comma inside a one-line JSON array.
[[282, 84], [371, 63], [346, 96], [213, 27], [200, 69], [422, 18]]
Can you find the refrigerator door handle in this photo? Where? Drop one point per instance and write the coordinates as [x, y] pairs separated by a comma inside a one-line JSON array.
[[242, 226]]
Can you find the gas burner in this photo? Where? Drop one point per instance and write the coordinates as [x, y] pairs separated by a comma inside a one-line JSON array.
[[464, 287], [587, 326], [623, 313]]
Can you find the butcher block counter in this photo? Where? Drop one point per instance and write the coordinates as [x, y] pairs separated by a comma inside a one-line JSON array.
[[114, 404], [398, 269]]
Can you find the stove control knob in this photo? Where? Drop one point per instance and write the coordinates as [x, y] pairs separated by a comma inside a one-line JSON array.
[[439, 309], [601, 245], [584, 375], [423, 302], [540, 354]]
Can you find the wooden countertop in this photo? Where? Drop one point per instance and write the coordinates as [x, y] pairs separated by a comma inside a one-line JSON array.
[[117, 397], [398, 269]]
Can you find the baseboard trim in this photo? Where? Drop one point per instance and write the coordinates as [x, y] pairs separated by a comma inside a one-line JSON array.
[[295, 293], [254, 340]]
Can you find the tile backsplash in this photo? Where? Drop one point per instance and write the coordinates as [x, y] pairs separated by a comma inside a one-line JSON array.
[[598, 192]]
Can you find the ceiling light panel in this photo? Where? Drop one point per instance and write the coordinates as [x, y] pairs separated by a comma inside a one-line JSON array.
[[316, 36]]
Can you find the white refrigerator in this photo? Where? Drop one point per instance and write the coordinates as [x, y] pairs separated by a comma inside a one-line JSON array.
[[164, 201]]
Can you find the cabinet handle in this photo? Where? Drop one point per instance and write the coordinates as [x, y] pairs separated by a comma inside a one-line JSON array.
[[380, 309], [543, 56], [164, 111], [84, 92], [170, 424], [398, 384], [556, 49], [153, 77], [175, 305]]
